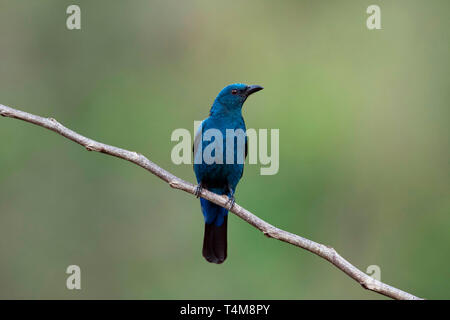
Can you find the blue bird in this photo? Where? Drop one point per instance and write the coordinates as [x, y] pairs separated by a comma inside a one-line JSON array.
[[221, 169]]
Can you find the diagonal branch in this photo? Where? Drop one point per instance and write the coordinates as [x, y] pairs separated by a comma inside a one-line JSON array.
[[323, 251]]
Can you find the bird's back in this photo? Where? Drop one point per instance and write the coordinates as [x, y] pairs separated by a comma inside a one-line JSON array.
[[220, 175]]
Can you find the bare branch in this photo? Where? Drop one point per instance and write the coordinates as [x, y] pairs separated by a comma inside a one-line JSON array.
[[269, 230]]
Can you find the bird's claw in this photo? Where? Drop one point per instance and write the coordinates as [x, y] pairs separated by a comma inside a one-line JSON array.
[[198, 190], [231, 201]]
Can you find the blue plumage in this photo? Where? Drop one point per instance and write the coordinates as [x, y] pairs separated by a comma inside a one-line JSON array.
[[221, 175]]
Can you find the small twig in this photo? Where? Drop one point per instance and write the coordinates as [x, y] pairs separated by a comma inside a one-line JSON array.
[[269, 230]]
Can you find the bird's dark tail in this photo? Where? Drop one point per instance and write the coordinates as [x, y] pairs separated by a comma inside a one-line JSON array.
[[215, 242]]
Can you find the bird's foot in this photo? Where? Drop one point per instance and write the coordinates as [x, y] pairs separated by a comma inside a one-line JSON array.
[[198, 190], [231, 201]]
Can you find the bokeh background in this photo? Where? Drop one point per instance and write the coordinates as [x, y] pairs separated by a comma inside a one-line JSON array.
[[364, 146]]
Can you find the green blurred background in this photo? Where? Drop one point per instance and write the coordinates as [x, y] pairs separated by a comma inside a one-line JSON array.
[[364, 146]]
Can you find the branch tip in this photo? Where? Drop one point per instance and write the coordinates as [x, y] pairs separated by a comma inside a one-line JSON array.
[[267, 234], [91, 147], [174, 184]]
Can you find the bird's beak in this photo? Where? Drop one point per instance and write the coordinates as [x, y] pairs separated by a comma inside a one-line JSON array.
[[252, 89]]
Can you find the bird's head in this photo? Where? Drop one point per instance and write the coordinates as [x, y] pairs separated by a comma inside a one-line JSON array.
[[234, 95]]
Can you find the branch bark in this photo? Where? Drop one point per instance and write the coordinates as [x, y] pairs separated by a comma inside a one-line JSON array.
[[323, 251]]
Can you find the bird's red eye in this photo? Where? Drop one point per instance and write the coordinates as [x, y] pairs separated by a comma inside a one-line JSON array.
[[234, 91]]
